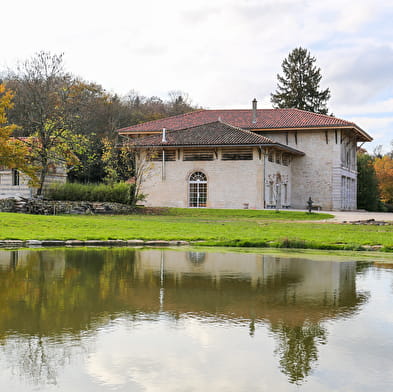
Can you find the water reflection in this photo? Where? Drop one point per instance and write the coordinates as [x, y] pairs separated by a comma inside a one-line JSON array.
[[51, 300]]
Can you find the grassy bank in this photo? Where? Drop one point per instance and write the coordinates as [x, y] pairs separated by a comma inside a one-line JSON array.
[[251, 228]]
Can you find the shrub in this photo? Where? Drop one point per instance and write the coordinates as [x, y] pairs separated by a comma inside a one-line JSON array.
[[117, 193]]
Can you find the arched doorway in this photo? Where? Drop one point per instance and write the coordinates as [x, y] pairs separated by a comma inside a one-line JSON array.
[[197, 190]]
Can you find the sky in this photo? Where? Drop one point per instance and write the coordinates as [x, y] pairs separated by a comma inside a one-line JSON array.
[[222, 53]]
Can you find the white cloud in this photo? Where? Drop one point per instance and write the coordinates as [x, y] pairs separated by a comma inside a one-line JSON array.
[[223, 53]]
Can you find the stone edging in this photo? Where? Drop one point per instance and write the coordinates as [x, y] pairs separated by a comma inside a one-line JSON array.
[[11, 244]]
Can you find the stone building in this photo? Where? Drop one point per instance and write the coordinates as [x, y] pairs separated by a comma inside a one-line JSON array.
[[256, 158], [15, 184]]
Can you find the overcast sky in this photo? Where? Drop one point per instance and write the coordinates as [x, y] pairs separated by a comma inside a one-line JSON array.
[[223, 53]]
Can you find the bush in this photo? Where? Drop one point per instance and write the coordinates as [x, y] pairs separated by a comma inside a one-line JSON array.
[[116, 193]]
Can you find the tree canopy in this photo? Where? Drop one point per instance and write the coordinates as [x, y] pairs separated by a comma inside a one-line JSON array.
[[299, 86], [67, 118], [13, 153], [367, 195], [384, 172]]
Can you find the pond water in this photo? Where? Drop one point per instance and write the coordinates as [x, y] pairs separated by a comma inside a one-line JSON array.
[[167, 320]]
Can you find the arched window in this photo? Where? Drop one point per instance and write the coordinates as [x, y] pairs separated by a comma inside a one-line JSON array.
[[197, 186]]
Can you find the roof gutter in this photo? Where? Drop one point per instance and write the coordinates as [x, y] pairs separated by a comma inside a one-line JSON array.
[[355, 127], [276, 145]]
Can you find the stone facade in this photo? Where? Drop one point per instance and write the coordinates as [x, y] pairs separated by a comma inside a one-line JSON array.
[[15, 184], [230, 184], [300, 155], [327, 172]]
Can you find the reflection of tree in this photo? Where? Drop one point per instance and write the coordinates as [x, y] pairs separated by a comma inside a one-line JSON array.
[[50, 293], [49, 299], [297, 348], [38, 359]]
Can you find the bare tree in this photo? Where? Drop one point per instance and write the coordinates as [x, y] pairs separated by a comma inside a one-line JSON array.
[[46, 106]]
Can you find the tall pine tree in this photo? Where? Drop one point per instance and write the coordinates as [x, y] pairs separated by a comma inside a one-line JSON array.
[[299, 85]]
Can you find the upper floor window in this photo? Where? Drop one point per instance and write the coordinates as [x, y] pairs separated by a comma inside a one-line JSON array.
[[285, 159], [198, 155], [169, 155], [237, 154]]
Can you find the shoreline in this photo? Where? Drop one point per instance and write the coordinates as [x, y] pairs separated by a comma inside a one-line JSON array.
[[286, 245]]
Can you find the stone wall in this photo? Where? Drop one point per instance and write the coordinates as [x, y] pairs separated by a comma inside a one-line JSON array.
[[54, 207]]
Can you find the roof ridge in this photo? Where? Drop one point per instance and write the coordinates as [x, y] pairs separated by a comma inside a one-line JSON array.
[[322, 115], [163, 118], [248, 132]]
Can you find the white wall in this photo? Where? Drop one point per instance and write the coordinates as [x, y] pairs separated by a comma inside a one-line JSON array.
[[230, 184]]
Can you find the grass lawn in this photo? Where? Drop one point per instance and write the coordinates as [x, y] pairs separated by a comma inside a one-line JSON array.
[[211, 227]]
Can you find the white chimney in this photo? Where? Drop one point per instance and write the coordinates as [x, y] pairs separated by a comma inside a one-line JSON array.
[[163, 135], [254, 111]]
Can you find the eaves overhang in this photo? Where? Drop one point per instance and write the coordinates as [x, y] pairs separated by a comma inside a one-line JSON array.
[[262, 146], [362, 135]]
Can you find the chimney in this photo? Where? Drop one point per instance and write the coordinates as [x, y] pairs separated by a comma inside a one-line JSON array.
[[163, 135], [254, 111]]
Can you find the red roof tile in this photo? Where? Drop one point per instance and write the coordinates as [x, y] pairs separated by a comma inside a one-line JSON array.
[[216, 133], [267, 119]]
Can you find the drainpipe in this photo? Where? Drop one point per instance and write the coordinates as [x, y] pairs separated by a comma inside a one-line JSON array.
[[163, 153], [163, 164], [264, 177]]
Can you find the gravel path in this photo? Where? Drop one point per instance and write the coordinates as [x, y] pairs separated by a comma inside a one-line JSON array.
[[350, 216]]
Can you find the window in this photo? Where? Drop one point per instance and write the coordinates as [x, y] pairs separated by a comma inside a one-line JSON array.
[[237, 155], [285, 159], [285, 194], [197, 190], [15, 177], [270, 156], [198, 155], [169, 155], [278, 157]]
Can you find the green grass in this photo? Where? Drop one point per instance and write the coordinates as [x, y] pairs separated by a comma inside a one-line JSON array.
[[234, 228]]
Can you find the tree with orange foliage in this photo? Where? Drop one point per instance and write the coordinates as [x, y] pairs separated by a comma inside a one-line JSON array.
[[13, 153], [384, 171]]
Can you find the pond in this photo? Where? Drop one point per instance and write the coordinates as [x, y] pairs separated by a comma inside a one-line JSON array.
[[124, 319]]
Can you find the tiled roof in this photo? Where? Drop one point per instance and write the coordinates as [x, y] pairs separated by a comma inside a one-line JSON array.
[[267, 119], [216, 133]]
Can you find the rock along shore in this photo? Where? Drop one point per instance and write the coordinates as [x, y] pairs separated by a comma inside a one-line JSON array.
[[12, 244]]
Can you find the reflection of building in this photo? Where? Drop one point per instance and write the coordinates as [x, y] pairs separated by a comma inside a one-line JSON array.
[[228, 285], [63, 293], [294, 296], [254, 285], [53, 262]]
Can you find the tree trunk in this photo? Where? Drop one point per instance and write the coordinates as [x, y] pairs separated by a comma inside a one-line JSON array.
[[44, 171]]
